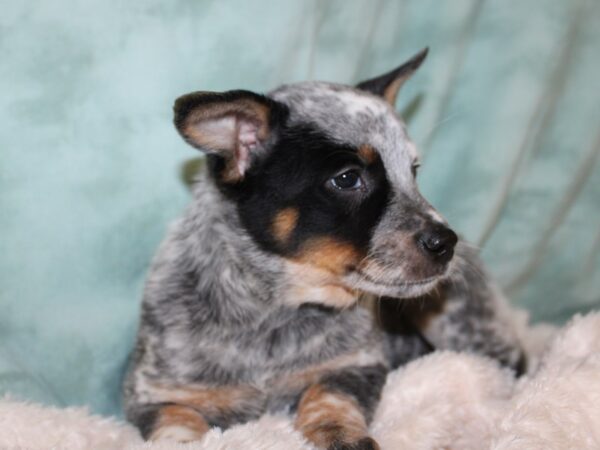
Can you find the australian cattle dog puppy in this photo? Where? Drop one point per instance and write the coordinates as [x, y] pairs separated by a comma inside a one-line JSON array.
[[257, 300]]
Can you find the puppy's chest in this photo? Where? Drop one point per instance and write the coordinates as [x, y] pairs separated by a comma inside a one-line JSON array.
[[291, 344]]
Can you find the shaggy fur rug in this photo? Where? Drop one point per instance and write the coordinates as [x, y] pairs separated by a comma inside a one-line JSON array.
[[442, 401]]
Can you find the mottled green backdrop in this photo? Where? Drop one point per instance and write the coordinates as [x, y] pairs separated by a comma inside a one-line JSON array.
[[506, 112]]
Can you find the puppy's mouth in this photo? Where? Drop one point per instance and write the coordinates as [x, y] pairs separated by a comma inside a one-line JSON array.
[[363, 281]]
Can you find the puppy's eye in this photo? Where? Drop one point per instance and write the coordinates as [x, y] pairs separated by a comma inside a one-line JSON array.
[[415, 168], [347, 181]]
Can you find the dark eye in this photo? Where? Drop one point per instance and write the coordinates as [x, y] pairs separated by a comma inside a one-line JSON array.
[[414, 168], [347, 180]]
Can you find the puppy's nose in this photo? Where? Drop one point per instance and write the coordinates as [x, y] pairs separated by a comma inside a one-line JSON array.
[[438, 242]]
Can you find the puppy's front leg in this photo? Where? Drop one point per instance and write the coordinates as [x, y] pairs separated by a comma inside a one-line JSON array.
[[185, 413], [335, 412]]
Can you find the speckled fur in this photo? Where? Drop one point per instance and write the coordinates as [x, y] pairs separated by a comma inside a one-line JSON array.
[[215, 312], [212, 315]]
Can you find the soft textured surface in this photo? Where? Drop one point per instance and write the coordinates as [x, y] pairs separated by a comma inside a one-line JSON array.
[[445, 400], [505, 111]]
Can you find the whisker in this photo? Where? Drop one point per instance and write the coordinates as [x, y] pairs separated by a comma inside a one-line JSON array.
[[441, 122]]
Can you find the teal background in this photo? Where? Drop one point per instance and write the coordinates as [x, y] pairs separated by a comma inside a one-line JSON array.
[[506, 112]]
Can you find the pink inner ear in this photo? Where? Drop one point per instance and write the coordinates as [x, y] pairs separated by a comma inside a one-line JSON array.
[[247, 140]]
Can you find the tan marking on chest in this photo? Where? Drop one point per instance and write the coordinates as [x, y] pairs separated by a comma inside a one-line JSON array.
[[310, 284]]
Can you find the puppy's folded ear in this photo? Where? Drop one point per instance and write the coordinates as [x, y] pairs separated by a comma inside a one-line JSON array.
[[234, 125], [388, 85]]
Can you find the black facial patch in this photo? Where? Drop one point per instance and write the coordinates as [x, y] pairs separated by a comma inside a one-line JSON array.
[[293, 182]]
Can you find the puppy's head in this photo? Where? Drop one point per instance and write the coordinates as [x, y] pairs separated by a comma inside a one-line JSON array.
[[324, 176]]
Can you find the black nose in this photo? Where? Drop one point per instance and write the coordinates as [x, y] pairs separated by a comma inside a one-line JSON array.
[[438, 242]]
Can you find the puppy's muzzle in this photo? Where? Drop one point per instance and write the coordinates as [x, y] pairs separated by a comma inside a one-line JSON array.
[[437, 242]]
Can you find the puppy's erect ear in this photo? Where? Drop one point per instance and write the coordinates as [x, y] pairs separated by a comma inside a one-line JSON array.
[[234, 125], [388, 85]]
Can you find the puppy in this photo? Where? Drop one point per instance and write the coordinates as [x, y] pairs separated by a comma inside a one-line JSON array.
[[309, 203]]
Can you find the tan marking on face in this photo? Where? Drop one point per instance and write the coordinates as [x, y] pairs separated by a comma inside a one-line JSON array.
[[179, 423], [206, 399], [329, 254], [284, 223], [368, 154], [315, 273], [325, 417]]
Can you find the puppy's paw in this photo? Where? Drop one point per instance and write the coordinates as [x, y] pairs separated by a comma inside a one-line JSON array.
[[176, 433], [365, 443], [178, 423]]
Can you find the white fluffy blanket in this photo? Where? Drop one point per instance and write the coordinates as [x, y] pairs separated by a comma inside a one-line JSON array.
[[442, 401]]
